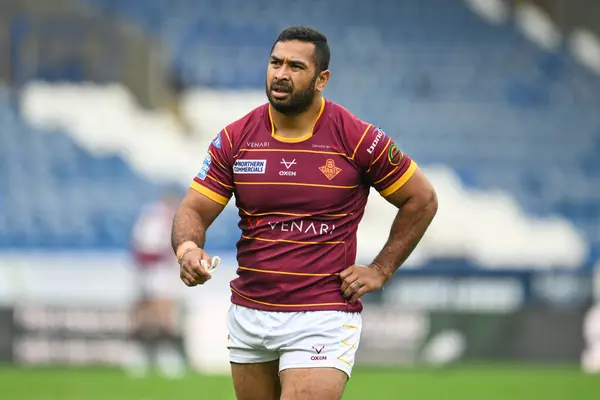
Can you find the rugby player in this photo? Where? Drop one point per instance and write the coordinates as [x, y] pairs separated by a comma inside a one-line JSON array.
[[301, 168], [155, 312]]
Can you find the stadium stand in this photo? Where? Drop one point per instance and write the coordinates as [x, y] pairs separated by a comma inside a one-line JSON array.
[[55, 195], [412, 63], [453, 90], [493, 228]]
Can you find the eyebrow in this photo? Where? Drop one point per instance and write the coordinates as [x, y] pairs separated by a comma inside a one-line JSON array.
[[293, 62]]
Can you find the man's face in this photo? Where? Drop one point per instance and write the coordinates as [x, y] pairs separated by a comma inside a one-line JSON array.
[[292, 77]]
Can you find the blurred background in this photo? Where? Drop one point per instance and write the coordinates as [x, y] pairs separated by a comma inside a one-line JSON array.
[[107, 108]]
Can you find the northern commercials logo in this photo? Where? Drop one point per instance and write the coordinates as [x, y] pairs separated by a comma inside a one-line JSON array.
[[288, 165], [205, 166], [379, 134], [249, 166]]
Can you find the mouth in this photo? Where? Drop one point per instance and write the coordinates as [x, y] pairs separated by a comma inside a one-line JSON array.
[[280, 91]]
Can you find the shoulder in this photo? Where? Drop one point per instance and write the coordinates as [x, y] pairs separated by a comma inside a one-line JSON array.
[[352, 129], [349, 123], [238, 129]]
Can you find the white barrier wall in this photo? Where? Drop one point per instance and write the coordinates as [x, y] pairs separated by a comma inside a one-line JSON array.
[[106, 282]]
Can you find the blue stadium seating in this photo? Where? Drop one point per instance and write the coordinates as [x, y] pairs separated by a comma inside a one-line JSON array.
[[451, 88], [55, 195]]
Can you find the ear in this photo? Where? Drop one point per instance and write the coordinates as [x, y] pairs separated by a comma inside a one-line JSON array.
[[322, 80]]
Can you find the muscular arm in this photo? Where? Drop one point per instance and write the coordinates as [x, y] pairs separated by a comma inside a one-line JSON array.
[[194, 216], [417, 205]]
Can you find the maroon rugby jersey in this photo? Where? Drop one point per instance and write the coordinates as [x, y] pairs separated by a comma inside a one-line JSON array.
[[300, 202]]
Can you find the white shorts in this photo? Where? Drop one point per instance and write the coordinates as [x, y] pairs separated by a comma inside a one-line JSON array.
[[310, 339], [161, 282]]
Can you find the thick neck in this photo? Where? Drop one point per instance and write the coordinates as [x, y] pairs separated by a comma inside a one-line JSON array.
[[297, 126]]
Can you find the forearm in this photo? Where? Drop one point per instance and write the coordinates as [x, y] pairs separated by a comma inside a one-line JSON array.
[[188, 229], [408, 228]]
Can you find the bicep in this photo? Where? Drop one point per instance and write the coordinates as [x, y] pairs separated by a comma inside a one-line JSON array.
[[417, 189], [206, 207]]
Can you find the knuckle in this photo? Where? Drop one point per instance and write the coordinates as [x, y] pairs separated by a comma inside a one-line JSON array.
[[196, 269]]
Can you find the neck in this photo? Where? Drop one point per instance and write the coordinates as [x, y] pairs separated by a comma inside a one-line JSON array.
[[296, 125]]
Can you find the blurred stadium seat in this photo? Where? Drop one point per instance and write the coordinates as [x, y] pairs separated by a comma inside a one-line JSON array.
[[438, 78], [452, 89], [56, 195], [489, 228]]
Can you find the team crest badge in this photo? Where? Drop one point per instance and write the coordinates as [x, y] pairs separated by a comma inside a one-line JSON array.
[[395, 155], [329, 169]]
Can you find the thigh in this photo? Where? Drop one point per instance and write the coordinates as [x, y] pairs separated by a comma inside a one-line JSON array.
[[258, 381], [254, 367], [165, 312], [161, 282], [312, 384], [321, 340], [245, 341]]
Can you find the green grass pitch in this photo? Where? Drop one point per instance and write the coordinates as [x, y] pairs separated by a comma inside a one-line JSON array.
[[485, 382]]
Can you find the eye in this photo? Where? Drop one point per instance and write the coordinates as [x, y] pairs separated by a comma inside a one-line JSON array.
[[296, 66]]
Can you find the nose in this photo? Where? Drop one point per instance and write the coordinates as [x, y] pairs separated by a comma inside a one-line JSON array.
[[283, 72]]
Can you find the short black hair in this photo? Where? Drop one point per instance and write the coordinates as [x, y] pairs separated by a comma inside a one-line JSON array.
[[308, 35]]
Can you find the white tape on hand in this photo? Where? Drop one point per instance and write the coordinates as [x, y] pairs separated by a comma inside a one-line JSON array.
[[213, 265]]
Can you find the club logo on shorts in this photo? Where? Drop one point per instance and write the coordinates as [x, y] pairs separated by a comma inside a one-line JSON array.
[[329, 169], [250, 166], [318, 349], [395, 155]]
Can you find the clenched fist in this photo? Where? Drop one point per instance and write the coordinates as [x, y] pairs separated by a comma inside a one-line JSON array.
[[191, 271]]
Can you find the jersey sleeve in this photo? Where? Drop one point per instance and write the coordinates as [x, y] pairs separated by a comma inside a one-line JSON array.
[[215, 179], [386, 167]]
